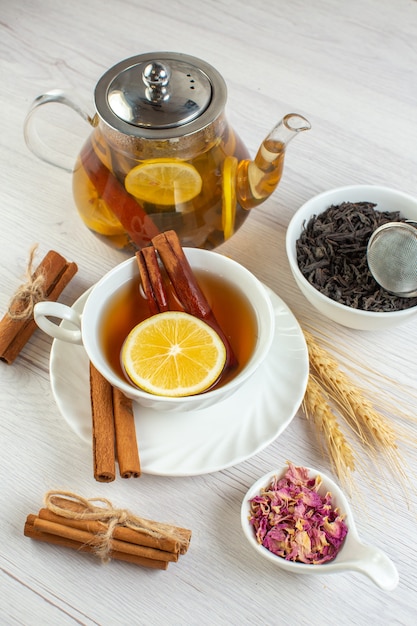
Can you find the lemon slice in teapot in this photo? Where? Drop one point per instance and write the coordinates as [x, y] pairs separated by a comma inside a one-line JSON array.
[[94, 211], [229, 200], [164, 181]]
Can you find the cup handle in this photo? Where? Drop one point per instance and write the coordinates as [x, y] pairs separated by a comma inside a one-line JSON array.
[[32, 138], [43, 310]]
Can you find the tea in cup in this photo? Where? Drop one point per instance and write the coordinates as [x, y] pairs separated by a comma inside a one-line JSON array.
[[116, 304]]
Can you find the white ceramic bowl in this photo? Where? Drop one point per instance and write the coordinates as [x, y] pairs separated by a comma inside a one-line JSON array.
[[386, 200], [353, 555]]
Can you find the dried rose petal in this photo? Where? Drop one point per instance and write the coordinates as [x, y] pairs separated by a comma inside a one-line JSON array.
[[292, 520]]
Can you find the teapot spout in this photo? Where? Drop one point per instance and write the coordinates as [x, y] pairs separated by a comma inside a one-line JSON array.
[[258, 179]]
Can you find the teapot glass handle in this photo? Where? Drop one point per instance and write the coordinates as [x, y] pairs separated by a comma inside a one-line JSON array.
[[34, 141]]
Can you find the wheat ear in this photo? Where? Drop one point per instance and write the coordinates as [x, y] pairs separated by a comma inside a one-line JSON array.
[[317, 409], [370, 426]]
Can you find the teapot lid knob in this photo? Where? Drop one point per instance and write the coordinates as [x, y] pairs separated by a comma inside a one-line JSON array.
[[156, 78], [160, 95], [156, 73]]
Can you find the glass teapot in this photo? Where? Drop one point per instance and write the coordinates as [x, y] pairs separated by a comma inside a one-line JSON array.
[[162, 155]]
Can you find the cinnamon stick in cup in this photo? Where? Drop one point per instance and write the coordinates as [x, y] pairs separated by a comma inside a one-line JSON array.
[[151, 279], [46, 282], [186, 287]]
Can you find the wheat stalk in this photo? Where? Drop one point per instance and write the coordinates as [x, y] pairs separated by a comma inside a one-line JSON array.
[[371, 427], [392, 402], [317, 409], [374, 430]]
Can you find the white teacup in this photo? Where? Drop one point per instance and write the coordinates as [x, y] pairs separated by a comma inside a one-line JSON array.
[[88, 325]]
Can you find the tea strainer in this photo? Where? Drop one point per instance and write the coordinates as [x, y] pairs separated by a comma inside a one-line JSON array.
[[392, 257]]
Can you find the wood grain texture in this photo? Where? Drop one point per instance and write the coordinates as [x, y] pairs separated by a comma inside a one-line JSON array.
[[351, 68]]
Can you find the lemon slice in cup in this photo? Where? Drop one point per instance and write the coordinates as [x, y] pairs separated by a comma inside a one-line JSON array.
[[164, 181], [173, 354]]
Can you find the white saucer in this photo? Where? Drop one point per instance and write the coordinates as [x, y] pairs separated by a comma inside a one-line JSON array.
[[199, 442]]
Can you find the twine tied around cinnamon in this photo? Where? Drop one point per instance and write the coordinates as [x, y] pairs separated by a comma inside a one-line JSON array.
[[30, 293], [72, 506]]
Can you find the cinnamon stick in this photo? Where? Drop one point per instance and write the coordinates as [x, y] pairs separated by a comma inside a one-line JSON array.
[[30, 531], [17, 326], [163, 545], [187, 289], [152, 281], [181, 275], [125, 433], [101, 396], [93, 539], [138, 225]]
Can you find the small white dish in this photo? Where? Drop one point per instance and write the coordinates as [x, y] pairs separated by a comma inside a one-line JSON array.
[[386, 199], [208, 440], [353, 555]]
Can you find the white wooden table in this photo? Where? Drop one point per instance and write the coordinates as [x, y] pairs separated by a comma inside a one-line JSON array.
[[351, 68]]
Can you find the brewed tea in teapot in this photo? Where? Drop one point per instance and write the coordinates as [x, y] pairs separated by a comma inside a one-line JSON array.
[[162, 156]]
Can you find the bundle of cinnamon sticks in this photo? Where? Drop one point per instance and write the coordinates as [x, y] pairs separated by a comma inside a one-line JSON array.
[[46, 282], [73, 522]]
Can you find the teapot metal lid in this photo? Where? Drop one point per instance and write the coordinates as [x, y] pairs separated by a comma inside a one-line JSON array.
[[160, 95]]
